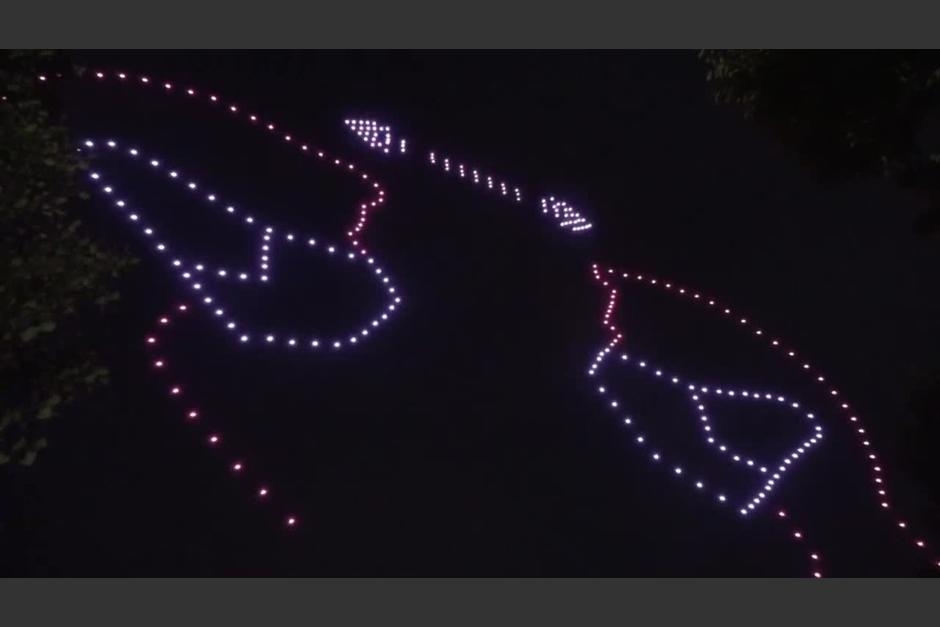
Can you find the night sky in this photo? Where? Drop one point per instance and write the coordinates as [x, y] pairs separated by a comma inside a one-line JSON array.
[[465, 438]]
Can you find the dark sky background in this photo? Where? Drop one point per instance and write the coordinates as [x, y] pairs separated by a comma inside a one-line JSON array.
[[465, 439]]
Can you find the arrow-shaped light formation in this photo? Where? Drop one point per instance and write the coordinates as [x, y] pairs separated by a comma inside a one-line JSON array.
[[375, 135], [379, 136], [564, 214]]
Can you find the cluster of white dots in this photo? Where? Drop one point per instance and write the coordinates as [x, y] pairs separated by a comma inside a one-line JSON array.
[[198, 275], [193, 415], [606, 277], [375, 135], [564, 214], [380, 137]]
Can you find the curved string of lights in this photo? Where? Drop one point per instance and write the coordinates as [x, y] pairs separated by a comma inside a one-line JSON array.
[[198, 276], [609, 278], [380, 137]]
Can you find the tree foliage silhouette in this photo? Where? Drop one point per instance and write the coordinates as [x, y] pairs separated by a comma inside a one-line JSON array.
[[52, 270], [859, 114]]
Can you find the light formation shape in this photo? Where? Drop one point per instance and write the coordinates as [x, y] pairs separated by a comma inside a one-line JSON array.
[[610, 278], [380, 137], [771, 474], [197, 275]]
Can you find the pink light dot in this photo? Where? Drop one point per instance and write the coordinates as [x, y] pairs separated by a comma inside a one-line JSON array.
[[920, 543], [291, 521], [817, 575], [237, 466], [151, 340], [158, 363], [814, 556], [175, 391], [193, 414], [263, 492], [214, 439], [182, 307], [797, 535]]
